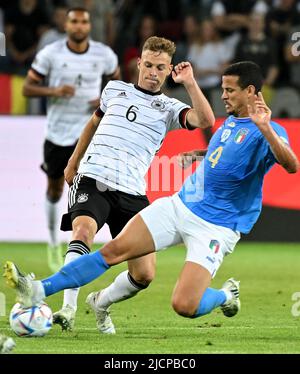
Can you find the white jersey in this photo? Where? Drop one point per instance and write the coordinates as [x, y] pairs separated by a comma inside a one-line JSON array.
[[66, 117], [131, 131]]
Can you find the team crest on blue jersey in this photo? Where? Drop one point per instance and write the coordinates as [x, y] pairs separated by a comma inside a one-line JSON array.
[[241, 135], [225, 135], [214, 245], [82, 198], [231, 124], [158, 104]]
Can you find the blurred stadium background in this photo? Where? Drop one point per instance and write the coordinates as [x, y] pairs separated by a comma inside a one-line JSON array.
[[209, 33]]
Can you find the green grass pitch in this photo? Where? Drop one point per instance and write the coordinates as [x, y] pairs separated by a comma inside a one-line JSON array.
[[269, 275]]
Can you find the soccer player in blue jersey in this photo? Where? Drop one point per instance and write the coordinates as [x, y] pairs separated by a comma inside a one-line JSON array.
[[222, 199]]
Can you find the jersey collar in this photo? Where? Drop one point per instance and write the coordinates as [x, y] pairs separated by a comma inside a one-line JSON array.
[[77, 53], [146, 91], [241, 119]]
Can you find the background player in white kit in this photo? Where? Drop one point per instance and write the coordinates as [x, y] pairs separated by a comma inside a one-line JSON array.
[[114, 158], [73, 68]]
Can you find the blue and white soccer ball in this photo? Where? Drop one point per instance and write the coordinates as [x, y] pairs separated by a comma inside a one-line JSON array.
[[33, 321]]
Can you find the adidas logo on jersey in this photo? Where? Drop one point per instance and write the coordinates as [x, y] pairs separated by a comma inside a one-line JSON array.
[[122, 94]]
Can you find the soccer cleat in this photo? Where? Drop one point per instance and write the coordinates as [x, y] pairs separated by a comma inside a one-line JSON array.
[[6, 344], [55, 258], [232, 306], [104, 322], [65, 317], [22, 284]]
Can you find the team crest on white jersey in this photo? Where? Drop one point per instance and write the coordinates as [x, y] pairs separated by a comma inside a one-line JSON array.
[[225, 135], [241, 135], [158, 104], [82, 198]]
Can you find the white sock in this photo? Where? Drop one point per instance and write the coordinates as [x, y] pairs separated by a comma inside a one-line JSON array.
[[52, 221], [76, 248], [122, 288], [71, 294], [38, 291]]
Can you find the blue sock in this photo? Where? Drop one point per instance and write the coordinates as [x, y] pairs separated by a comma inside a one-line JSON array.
[[211, 299], [76, 273]]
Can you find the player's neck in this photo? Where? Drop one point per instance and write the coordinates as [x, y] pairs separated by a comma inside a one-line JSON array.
[[241, 114], [81, 47]]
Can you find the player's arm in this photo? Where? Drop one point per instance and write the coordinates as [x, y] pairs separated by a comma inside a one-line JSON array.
[[116, 75], [185, 159], [81, 146], [260, 114], [33, 87], [201, 114]]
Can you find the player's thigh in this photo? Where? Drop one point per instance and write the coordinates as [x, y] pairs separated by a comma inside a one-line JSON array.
[[142, 269], [191, 284], [84, 199], [161, 219], [152, 229]]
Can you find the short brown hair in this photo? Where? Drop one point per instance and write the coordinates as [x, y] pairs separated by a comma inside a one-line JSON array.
[[156, 44]]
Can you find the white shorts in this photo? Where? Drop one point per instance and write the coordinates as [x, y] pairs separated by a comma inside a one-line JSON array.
[[170, 222]]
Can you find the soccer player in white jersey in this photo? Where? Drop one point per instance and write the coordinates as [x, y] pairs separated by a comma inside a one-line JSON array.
[[221, 199], [107, 169], [69, 73]]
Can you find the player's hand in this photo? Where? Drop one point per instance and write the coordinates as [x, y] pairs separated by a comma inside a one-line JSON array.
[[94, 103], [185, 159], [183, 73], [64, 91], [70, 172], [259, 112]]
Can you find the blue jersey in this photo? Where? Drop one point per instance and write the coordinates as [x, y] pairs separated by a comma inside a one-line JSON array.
[[226, 188]]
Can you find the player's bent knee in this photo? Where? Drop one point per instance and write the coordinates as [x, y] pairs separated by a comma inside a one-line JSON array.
[[144, 279], [184, 308]]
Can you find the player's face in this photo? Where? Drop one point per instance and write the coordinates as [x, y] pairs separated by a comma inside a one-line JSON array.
[[154, 67], [78, 26], [235, 98]]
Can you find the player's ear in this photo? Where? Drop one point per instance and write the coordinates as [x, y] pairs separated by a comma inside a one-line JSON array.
[[139, 62], [251, 90]]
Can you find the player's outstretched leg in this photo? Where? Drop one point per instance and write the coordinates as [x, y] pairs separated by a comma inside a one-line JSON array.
[[77, 273]]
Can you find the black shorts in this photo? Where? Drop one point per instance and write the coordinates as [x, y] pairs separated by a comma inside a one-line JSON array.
[[115, 208], [56, 158]]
